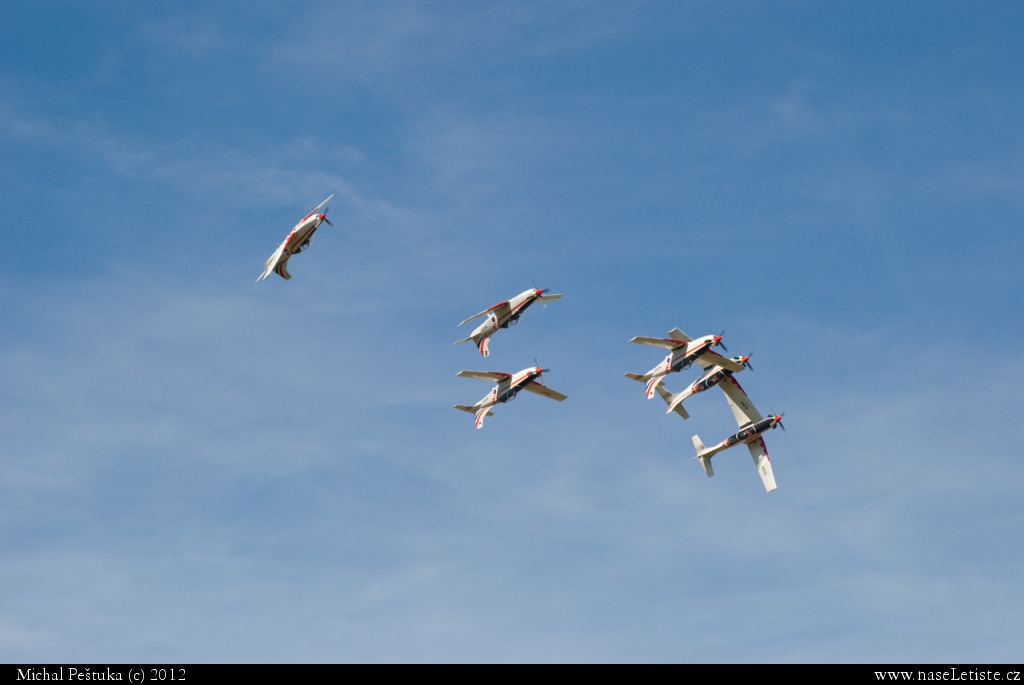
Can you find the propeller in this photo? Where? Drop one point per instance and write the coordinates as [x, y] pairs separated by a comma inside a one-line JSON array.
[[718, 341], [746, 361], [778, 420]]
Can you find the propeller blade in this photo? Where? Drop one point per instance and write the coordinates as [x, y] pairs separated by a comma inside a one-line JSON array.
[[328, 221], [720, 343]]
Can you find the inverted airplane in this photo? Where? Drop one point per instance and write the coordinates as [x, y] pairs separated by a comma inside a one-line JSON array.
[[714, 375], [296, 242], [683, 352], [752, 425], [506, 387], [503, 315]]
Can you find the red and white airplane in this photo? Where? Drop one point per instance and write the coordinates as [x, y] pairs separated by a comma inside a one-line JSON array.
[[503, 315], [683, 351], [506, 387], [296, 242], [713, 375], [752, 425]]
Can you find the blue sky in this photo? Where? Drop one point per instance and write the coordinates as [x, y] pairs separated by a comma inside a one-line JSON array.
[[199, 468]]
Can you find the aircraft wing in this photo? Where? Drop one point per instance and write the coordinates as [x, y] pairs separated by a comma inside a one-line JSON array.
[[667, 396], [498, 314], [317, 208], [534, 386], [495, 376], [764, 465], [657, 342], [677, 334], [549, 298], [712, 358], [742, 408]]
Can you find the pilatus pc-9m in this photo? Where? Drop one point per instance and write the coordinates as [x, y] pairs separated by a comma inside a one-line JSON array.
[[503, 315], [296, 242], [752, 425], [506, 387]]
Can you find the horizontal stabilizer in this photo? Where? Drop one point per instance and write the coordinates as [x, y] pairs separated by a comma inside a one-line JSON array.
[[469, 409], [706, 463], [669, 399]]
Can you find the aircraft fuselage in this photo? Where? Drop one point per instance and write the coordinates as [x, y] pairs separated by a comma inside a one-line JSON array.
[[750, 432], [506, 390], [517, 305], [682, 358]]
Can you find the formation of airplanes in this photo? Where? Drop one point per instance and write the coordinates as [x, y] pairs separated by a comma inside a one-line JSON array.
[[718, 371], [683, 352]]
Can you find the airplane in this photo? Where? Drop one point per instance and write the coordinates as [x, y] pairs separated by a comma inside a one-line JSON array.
[[713, 375], [503, 315], [752, 425], [506, 387], [683, 351], [296, 242]]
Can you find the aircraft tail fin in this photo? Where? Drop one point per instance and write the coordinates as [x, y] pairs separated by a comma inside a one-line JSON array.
[[480, 414], [635, 377], [482, 344], [704, 455], [652, 384], [466, 408]]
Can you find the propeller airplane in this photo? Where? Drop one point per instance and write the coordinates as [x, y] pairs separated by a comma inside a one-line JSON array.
[[751, 424], [503, 315], [506, 387], [683, 352], [296, 242]]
